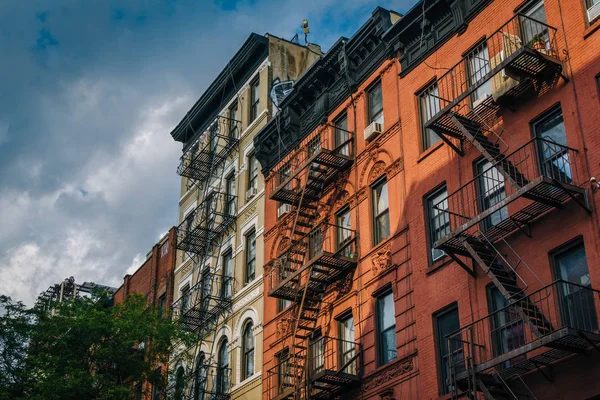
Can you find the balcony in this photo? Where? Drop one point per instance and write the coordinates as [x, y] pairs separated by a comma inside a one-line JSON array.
[[541, 175], [519, 59], [534, 331], [334, 367], [317, 164], [203, 228], [209, 299], [329, 249], [204, 382], [215, 145]]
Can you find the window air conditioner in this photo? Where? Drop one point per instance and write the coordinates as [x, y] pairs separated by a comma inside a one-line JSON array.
[[593, 12], [283, 209], [250, 193], [372, 130]]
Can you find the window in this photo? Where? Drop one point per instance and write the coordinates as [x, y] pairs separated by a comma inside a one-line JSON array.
[[386, 328], [185, 298], [138, 391], [156, 387], [381, 216], [230, 195], [250, 256], [553, 154], [226, 286], [162, 305], [438, 220], [593, 10], [576, 300], [200, 376], [189, 221], [252, 172], [233, 121], [205, 285], [282, 304], [447, 322], [223, 368], [534, 28], [317, 353], [164, 249], [179, 383], [478, 65], [343, 232], [507, 326], [283, 379], [342, 135], [375, 103], [490, 185], [347, 345], [429, 105], [248, 352], [284, 172], [254, 99]]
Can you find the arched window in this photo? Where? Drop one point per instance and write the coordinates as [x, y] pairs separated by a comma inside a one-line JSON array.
[[200, 377], [223, 368], [179, 383], [247, 351]]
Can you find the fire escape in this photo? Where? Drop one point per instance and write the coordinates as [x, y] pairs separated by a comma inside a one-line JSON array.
[[489, 357], [201, 234], [317, 254]]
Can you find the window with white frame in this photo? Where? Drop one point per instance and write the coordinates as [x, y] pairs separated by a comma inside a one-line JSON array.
[[247, 351], [250, 256]]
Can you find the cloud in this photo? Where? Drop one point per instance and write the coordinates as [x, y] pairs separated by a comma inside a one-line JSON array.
[[87, 170]]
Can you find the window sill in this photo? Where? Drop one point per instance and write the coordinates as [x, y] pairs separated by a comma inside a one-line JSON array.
[[430, 150], [438, 264], [591, 29]]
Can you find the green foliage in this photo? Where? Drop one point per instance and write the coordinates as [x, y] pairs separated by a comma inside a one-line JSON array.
[[84, 349]]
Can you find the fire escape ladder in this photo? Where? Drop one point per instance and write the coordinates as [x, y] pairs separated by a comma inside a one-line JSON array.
[[311, 294], [477, 132], [505, 277]]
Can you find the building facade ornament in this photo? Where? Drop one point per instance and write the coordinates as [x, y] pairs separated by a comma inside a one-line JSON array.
[[399, 369], [395, 168], [382, 259]]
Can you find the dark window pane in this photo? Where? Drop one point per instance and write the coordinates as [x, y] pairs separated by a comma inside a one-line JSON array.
[[439, 220], [429, 105], [375, 104], [381, 223], [446, 323], [386, 324]]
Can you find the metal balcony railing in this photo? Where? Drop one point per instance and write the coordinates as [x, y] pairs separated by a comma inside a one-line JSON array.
[[203, 382], [202, 228], [199, 309], [510, 62], [505, 340], [331, 247], [334, 362], [542, 171], [212, 149], [326, 152]]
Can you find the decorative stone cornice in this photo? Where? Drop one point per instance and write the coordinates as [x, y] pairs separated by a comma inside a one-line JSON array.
[[386, 376], [382, 259], [395, 168]]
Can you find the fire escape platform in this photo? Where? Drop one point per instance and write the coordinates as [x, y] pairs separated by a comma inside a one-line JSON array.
[[529, 70], [327, 267], [545, 194], [562, 343], [328, 164]]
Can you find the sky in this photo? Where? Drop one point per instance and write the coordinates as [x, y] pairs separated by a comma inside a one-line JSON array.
[[89, 93]]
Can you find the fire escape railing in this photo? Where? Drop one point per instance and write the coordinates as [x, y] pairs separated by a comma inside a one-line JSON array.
[[203, 228], [213, 148], [204, 382], [330, 155], [543, 171], [206, 301], [329, 245], [504, 340], [516, 58]]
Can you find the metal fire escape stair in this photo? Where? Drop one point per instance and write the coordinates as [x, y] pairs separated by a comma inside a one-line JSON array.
[[312, 290]]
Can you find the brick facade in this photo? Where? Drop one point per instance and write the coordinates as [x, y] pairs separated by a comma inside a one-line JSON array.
[[402, 261]]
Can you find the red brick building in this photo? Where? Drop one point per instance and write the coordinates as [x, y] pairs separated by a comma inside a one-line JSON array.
[[154, 280], [433, 231]]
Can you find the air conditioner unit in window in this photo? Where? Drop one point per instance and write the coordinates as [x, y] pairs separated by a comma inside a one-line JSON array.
[[372, 130], [250, 193], [593, 12], [283, 209]]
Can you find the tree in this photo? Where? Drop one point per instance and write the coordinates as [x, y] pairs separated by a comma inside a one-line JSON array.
[[86, 349]]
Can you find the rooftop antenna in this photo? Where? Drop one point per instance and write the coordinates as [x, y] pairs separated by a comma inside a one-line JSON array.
[[306, 30]]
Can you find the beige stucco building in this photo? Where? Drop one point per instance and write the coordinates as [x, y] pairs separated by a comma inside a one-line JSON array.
[[218, 284]]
